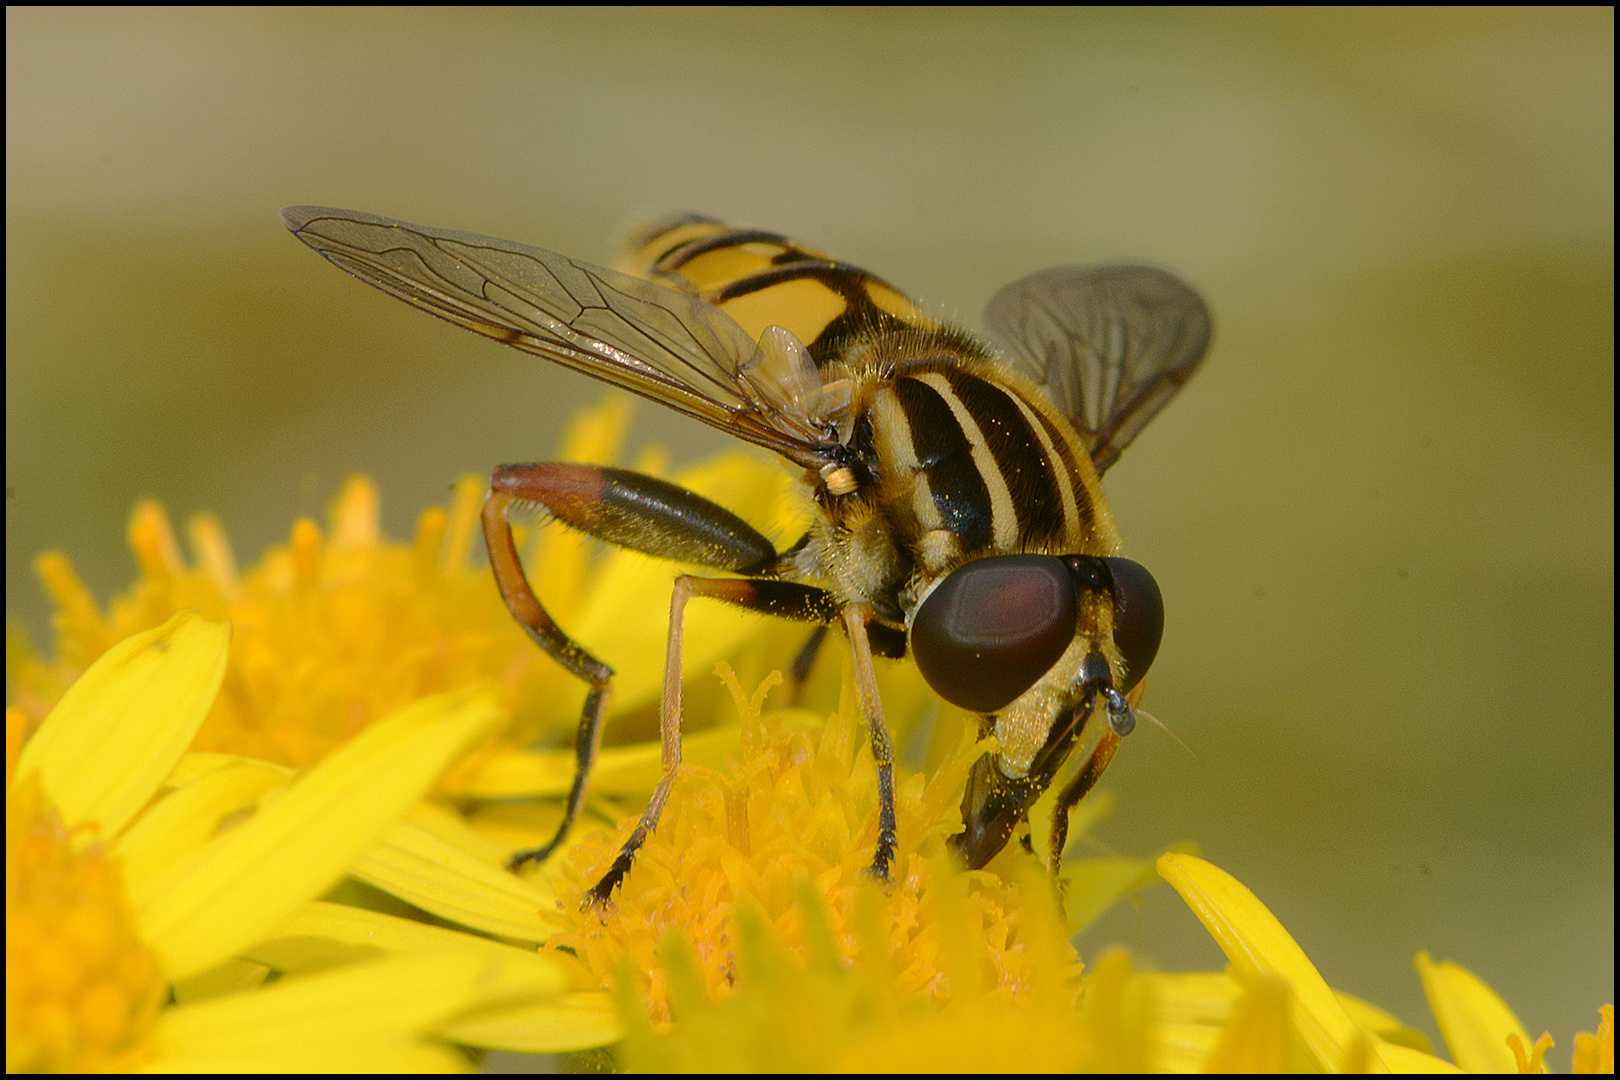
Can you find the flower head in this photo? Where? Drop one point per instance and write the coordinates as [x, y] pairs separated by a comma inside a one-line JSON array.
[[168, 914], [134, 873]]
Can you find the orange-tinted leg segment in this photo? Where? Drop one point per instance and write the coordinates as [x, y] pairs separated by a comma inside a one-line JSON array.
[[661, 519], [1079, 787], [623, 508], [526, 608], [857, 617], [784, 599]]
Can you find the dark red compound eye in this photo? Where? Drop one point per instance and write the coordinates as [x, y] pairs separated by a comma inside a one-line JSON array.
[[993, 627], [1138, 617]]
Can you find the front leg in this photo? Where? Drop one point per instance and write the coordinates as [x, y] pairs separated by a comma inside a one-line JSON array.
[[784, 600], [664, 520], [858, 618]]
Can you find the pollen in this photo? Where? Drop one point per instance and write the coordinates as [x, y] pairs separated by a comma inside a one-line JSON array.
[[839, 479], [332, 630], [339, 625], [82, 991], [798, 812]]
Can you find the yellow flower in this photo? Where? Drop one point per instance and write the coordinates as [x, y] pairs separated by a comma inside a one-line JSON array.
[[1273, 1010], [793, 816], [746, 936], [192, 880], [341, 626]]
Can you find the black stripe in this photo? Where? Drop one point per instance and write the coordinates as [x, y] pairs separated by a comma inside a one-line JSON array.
[[840, 278], [947, 461], [1082, 497], [1037, 498], [657, 233], [738, 238], [861, 320]]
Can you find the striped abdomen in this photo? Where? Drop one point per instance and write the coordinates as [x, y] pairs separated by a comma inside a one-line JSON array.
[[764, 279]]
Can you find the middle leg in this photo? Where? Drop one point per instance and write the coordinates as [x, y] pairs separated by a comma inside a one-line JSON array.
[[783, 599]]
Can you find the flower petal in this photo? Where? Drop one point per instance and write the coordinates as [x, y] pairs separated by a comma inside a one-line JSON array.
[[1474, 1022], [1258, 947], [246, 881], [368, 1017], [120, 728]]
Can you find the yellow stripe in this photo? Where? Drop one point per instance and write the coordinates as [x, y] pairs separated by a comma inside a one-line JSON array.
[[1003, 518], [894, 447], [804, 306]]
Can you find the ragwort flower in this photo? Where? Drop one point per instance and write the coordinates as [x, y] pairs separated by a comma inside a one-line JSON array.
[[746, 935]]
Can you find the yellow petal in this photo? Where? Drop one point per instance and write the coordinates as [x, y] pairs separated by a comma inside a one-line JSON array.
[[238, 888], [576, 1021], [1258, 947], [1474, 1022], [434, 861], [120, 728], [365, 1017]]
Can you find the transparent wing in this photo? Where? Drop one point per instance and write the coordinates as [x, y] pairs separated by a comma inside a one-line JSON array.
[[1110, 344], [644, 337]]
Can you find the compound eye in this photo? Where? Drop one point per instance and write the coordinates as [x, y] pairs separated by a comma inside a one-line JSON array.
[[1138, 617], [993, 627]]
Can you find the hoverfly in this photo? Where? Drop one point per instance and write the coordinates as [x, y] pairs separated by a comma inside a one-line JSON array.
[[960, 519]]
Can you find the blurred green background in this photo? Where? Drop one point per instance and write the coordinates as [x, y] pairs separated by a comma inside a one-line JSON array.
[[1382, 517]]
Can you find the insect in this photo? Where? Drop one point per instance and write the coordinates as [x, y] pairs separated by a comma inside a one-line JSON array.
[[959, 517]]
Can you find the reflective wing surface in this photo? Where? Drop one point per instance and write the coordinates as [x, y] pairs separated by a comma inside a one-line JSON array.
[[633, 333], [1110, 344]]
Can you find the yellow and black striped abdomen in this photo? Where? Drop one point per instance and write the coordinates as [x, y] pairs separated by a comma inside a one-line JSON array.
[[979, 466], [764, 279]]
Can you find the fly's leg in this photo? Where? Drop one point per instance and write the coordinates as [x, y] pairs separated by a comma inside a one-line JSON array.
[[783, 599], [661, 519], [669, 731], [887, 641], [1079, 787], [857, 618], [799, 671], [526, 608], [623, 508]]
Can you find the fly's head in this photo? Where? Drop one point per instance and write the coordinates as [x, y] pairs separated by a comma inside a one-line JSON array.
[[1034, 644]]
